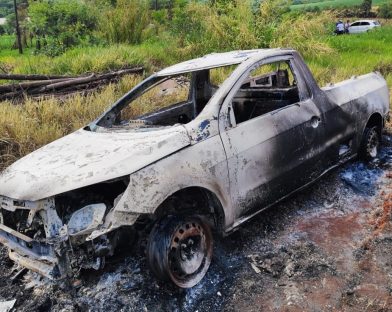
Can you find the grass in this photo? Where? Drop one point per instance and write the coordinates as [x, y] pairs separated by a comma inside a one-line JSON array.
[[332, 4], [355, 55], [6, 43], [152, 54], [24, 128]]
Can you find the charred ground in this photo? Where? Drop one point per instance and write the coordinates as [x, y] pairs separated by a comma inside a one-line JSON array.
[[327, 248]]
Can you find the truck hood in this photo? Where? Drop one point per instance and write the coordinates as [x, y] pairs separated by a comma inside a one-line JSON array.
[[84, 158]]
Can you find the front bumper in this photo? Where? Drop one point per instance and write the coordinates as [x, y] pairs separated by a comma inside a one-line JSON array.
[[36, 256]]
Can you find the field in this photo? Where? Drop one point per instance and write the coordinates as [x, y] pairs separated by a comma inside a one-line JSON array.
[[355, 55], [352, 55], [328, 248], [332, 4]]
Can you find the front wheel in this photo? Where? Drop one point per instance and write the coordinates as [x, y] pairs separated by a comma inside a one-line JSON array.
[[180, 249], [370, 143]]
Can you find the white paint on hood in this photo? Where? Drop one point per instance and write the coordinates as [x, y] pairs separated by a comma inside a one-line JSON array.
[[84, 158]]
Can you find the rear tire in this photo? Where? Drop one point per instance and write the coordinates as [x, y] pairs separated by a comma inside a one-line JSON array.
[[370, 143], [180, 249]]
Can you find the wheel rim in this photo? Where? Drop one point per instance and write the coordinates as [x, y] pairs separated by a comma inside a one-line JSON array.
[[372, 144], [190, 253]]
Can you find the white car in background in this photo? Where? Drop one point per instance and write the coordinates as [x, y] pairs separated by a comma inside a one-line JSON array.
[[363, 26]]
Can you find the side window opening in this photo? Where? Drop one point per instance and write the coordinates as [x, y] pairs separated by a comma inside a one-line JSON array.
[[267, 88], [219, 74]]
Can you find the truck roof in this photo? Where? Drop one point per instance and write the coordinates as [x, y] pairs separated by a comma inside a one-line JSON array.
[[214, 60]]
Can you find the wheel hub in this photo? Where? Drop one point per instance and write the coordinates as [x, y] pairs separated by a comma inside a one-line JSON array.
[[188, 250], [372, 145], [191, 255]]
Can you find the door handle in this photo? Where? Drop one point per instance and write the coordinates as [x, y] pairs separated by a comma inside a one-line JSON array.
[[315, 121]]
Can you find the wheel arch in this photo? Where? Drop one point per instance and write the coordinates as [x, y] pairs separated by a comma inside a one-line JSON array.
[[375, 120], [207, 201]]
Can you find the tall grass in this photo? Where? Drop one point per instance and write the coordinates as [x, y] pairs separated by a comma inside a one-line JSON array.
[[306, 33], [151, 54], [24, 128], [355, 55], [6, 42], [199, 29], [125, 22]]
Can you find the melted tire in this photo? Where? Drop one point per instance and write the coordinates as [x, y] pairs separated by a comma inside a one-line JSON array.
[[370, 144], [180, 250]]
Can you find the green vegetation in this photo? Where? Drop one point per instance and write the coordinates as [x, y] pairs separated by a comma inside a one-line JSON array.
[[24, 128], [6, 42], [129, 32], [330, 4], [385, 10], [60, 24], [355, 55], [6, 7], [84, 59], [125, 22]]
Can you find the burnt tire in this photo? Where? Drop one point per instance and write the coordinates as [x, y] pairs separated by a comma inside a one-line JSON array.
[[370, 144], [180, 250]]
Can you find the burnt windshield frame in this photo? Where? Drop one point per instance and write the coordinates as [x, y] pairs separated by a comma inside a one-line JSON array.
[[108, 118]]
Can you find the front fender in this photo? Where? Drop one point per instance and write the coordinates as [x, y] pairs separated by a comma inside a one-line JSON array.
[[201, 165]]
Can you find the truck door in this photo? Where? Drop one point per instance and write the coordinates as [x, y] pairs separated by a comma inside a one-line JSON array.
[[271, 138]]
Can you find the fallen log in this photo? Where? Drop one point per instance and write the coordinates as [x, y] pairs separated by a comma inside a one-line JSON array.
[[31, 77], [10, 95], [23, 86], [62, 85], [66, 83], [91, 78]]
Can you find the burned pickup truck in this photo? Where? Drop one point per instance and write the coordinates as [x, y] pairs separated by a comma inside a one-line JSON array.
[[202, 145]]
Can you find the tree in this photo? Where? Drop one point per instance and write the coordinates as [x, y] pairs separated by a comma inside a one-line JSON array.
[[6, 7], [65, 22], [385, 10], [365, 8], [18, 35]]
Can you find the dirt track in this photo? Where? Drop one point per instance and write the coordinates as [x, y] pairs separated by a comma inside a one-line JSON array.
[[328, 248]]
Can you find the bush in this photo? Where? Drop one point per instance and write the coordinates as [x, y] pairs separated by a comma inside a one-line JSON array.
[[200, 29], [66, 21], [347, 12], [385, 10], [305, 33], [313, 9], [125, 22], [365, 8], [268, 19]]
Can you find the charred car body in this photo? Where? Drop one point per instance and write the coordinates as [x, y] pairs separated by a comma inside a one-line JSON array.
[[190, 151]]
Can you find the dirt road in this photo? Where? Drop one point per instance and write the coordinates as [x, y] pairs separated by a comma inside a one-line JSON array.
[[328, 248]]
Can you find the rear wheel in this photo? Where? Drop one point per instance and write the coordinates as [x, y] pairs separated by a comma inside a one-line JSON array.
[[180, 249], [370, 143]]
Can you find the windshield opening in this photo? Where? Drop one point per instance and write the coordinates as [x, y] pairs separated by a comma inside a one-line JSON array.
[[165, 101]]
